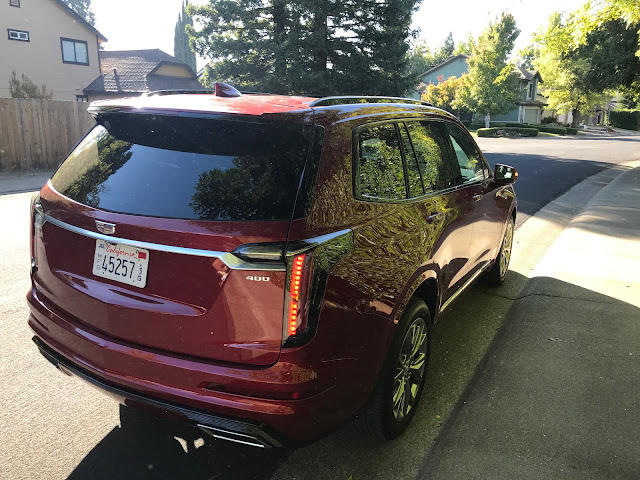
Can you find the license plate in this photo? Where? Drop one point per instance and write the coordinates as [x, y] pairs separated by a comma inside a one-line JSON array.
[[121, 263]]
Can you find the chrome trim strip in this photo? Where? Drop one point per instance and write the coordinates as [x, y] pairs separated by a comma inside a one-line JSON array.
[[211, 431], [296, 247], [229, 259], [464, 287]]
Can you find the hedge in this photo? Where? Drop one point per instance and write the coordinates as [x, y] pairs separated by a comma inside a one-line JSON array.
[[572, 131], [627, 119], [476, 124], [491, 132], [552, 129]]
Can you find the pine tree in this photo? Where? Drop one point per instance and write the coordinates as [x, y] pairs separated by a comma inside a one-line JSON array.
[[449, 46], [307, 46], [181, 48], [82, 8]]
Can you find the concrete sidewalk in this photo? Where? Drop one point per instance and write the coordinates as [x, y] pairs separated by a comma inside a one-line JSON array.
[[558, 393], [21, 181]]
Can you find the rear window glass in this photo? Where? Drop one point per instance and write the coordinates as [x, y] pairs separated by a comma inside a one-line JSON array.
[[188, 168]]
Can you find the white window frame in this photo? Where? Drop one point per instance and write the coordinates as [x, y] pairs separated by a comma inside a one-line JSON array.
[[14, 3], [18, 35]]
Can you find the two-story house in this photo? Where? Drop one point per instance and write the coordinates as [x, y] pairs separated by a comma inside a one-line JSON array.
[[51, 44], [527, 109]]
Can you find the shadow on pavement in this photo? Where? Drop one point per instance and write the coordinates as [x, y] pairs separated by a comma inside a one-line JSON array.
[[555, 397], [150, 447]]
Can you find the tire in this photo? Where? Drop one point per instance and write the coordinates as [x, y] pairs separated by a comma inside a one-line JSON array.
[[497, 273], [386, 415]]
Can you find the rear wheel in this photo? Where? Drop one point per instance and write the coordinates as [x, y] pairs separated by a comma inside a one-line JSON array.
[[496, 274], [394, 401]]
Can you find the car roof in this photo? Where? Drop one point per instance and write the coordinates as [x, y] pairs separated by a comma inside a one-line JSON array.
[[264, 105]]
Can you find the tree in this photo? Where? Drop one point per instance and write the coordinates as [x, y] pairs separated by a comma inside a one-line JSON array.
[[24, 87], [490, 87], [82, 8], [444, 93], [465, 47], [181, 48], [563, 76], [419, 59], [448, 47], [307, 46]]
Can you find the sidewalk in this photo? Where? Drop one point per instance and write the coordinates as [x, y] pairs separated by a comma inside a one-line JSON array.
[[21, 181], [558, 393]]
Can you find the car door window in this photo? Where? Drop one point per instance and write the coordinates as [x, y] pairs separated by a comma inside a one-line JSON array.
[[430, 147], [381, 173], [414, 176], [472, 166]]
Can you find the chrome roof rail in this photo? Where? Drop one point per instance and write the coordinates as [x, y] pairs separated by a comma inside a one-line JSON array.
[[347, 100]]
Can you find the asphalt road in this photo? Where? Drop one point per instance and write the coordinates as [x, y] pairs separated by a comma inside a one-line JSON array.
[[55, 427]]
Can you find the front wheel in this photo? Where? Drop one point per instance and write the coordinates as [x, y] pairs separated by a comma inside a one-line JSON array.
[[497, 273], [394, 401]]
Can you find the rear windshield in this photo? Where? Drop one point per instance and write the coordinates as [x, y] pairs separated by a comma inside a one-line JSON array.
[[188, 168]]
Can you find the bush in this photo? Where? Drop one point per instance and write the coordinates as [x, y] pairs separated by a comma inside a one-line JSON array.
[[552, 129], [477, 124], [548, 120], [492, 132], [572, 131], [626, 119]]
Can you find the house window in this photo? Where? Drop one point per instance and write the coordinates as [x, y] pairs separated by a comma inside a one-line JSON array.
[[530, 90], [82, 98], [19, 35], [14, 3], [74, 51]]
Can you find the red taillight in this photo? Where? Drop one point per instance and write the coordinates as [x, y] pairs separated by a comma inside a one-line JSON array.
[[294, 319]]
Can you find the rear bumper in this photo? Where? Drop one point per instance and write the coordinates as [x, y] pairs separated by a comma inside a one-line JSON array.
[[182, 385], [219, 427]]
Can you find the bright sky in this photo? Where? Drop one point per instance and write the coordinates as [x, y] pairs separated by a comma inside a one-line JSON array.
[[139, 24]]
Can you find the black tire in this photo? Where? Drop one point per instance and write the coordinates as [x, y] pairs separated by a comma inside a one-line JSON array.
[[381, 416], [497, 273]]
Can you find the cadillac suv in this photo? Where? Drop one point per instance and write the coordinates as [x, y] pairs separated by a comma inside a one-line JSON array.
[[265, 267]]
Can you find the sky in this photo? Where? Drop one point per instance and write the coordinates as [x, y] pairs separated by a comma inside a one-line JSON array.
[[140, 24]]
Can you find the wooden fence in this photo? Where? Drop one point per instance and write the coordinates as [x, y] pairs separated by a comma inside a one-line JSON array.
[[39, 133]]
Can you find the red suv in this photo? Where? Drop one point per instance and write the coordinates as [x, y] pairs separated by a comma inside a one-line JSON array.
[[266, 267]]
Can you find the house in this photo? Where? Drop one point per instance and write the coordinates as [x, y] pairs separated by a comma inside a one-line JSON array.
[[130, 73], [527, 109], [51, 44]]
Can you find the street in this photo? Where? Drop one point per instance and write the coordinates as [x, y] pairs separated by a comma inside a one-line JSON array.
[[56, 427]]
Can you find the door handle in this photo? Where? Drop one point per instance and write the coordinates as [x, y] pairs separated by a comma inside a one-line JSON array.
[[477, 198]]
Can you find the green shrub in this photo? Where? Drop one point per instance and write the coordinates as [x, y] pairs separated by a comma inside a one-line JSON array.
[[548, 120], [552, 129], [477, 124], [491, 132], [626, 119], [572, 131]]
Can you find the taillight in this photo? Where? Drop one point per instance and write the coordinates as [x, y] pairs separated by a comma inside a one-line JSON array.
[[37, 221], [298, 293]]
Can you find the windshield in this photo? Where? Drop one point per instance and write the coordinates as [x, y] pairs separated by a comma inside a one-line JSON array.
[[188, 168]]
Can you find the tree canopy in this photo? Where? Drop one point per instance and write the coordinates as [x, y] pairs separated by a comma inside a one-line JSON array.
[[82, 8], [306, 46], [490, 87]]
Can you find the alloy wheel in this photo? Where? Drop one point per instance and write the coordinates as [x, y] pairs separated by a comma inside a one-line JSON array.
[[410, 369], [505, 254]]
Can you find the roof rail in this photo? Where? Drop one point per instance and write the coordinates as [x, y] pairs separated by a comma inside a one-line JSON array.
[[346, 100], [177, 92]]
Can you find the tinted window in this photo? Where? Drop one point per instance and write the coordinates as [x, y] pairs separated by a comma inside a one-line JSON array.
[[186, 168], [431, 152], [413, 172], [472, 168], [381, 173]]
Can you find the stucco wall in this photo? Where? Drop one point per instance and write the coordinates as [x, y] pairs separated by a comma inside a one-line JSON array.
[[41, 57], [454, 69]]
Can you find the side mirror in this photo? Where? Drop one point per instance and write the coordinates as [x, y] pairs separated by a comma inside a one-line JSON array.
[[505, 174]]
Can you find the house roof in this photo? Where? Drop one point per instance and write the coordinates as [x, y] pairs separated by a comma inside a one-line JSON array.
[[134, 71], [525, 74], [446, 62], [77, 17]]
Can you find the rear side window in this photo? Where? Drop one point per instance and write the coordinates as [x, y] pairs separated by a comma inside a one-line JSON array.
[[188, 168], [472, 167], [380, 168], [429, 144]]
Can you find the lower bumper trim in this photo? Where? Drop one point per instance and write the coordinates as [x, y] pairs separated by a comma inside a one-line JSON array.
[[218, 427]]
